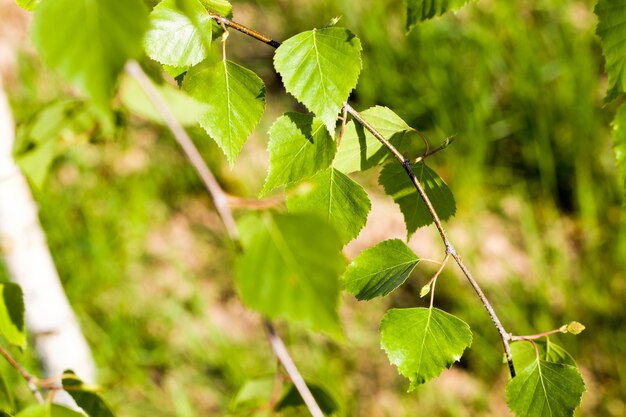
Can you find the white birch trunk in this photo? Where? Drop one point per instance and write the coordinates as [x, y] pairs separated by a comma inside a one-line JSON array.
[[49, 317]]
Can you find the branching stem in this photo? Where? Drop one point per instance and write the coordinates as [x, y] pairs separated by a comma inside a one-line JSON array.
[[31, 381], [406, 163], [220, 200]]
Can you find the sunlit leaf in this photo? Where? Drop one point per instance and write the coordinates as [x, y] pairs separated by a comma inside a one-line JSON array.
[[85, 398], [545, 389], [336, 197], [29, 5], [88, 42], [397, 184], [360, 150], [178, 36], [12, 314], [299, 148], [422, 342], [221, 7], [419, 10], [235, 100], [290, 269], [619, 142], [612, 32], [379, 270], [320, 68]]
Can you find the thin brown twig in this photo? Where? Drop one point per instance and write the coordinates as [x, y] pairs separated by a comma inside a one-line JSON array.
[[406, 163], [220, 200], [31, 381]]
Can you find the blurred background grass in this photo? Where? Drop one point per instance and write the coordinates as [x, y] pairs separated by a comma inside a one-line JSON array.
[[147, 266]]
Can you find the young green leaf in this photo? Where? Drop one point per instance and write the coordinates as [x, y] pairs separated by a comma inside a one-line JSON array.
[[178, 36], [379, 270], [419, 10], [545, 389], [612, 32], [524, 353], [360, 150], [334, 196], [235, 100], [397, 184], [320, 68], [299, 148], [85, 397], [619, 142], [422, 342], [290, 269], [29, 5], [575, 327], [12, 314], [184, 108], [48, 410], [104, 34]]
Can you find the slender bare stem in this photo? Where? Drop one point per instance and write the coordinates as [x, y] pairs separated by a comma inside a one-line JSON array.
[[285, 359], [220, 200], [562, 329], [406, 163], [31, 381]]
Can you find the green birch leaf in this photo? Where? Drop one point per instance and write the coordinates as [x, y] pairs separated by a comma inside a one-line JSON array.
[[85, 397], [29, 5], [619, 142], [104, 35], [545, 389], [422, 342], [524, 353], [320, 68], [178, 36], [299, 147], [398, 185], [48, 410], [290, 269], [420, 10], [612, 32], [235, 100], [336, 197], [379, 270], [360, 150], [184, 108], [12, 314]]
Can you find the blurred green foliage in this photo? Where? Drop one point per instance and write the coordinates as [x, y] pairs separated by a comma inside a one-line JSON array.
[[147, 266]]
